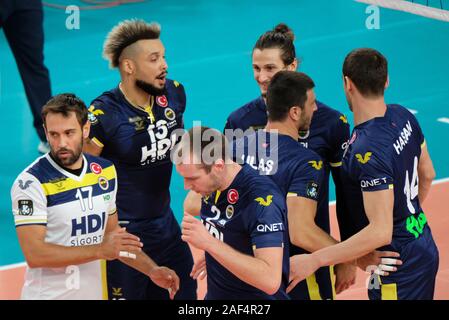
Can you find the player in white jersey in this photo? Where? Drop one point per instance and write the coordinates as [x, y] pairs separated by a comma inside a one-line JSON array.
[[65, 215]]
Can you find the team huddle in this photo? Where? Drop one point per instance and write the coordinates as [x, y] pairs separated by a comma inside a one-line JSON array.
[[93, 215]]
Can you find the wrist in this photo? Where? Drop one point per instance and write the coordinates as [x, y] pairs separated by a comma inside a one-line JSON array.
[[98, 252], [210, 244]]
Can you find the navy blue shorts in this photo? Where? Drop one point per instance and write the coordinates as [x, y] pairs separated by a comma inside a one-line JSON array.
[[318, 286], [161, 238], [415, 278]]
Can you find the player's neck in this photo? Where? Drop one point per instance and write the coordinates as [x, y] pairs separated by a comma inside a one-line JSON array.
[[232, 170], [136, 96], [367, 109], [288, 129]]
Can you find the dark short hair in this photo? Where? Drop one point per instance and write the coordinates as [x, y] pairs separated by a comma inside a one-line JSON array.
[[65, 103], [286, 90], [281, 37], [368, 69]]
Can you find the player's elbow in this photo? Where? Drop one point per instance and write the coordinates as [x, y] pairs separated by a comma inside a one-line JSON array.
[[33, 261], [427, 176], [383, 236], [272, 285]]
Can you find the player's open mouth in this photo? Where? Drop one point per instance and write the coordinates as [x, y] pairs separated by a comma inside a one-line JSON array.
[[162, 76]]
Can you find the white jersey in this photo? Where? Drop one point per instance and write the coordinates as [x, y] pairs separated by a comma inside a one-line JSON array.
[[75, 211]]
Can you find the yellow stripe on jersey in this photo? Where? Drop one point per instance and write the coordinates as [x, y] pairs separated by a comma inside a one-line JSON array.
[[20, 222], [312, 286], [291, 194], [97, 142], [423, 144], [70, 184], [335, 164], [389, 291], [217, 195], [333, 279], [104, 282], [390, 186]]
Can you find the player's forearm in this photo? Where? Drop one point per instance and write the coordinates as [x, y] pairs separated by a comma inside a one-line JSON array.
[[311, 238], [142, 263], [49, 255], [247, 268], [360, 244]]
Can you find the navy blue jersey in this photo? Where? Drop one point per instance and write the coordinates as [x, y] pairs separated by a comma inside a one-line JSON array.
[[328, 135], [383, 153], [251, 213], [138, 142], [296, 170]]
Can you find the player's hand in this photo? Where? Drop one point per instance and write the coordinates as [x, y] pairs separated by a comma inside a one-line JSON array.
[[199, 267], [381, 262], [165, 278], [345, 275], [301, 266], [118, 241], [195, 233]]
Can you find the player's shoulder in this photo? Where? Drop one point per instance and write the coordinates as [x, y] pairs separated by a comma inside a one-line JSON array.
[[176, 96], [373, 144], [92, 161], [106, 104], [32, 175], [174, 86], [329, 115], [259, 186], [248, 109], [400, 114]]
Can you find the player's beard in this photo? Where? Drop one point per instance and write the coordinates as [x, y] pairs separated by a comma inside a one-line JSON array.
[[149, 88], [304, 123], [67, 162]]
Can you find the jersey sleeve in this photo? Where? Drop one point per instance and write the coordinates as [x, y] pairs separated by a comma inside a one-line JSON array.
[[373, 170], [101, 123], [181, 98], [340, 135], [111, 206], [307, 178], [267, 222], [29, 203]]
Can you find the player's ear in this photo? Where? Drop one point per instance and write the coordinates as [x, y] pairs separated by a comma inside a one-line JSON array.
[[128, 66], [219, 165], [293, 66], [295, 112], [347, 83], [86, 130], [387, 84]]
